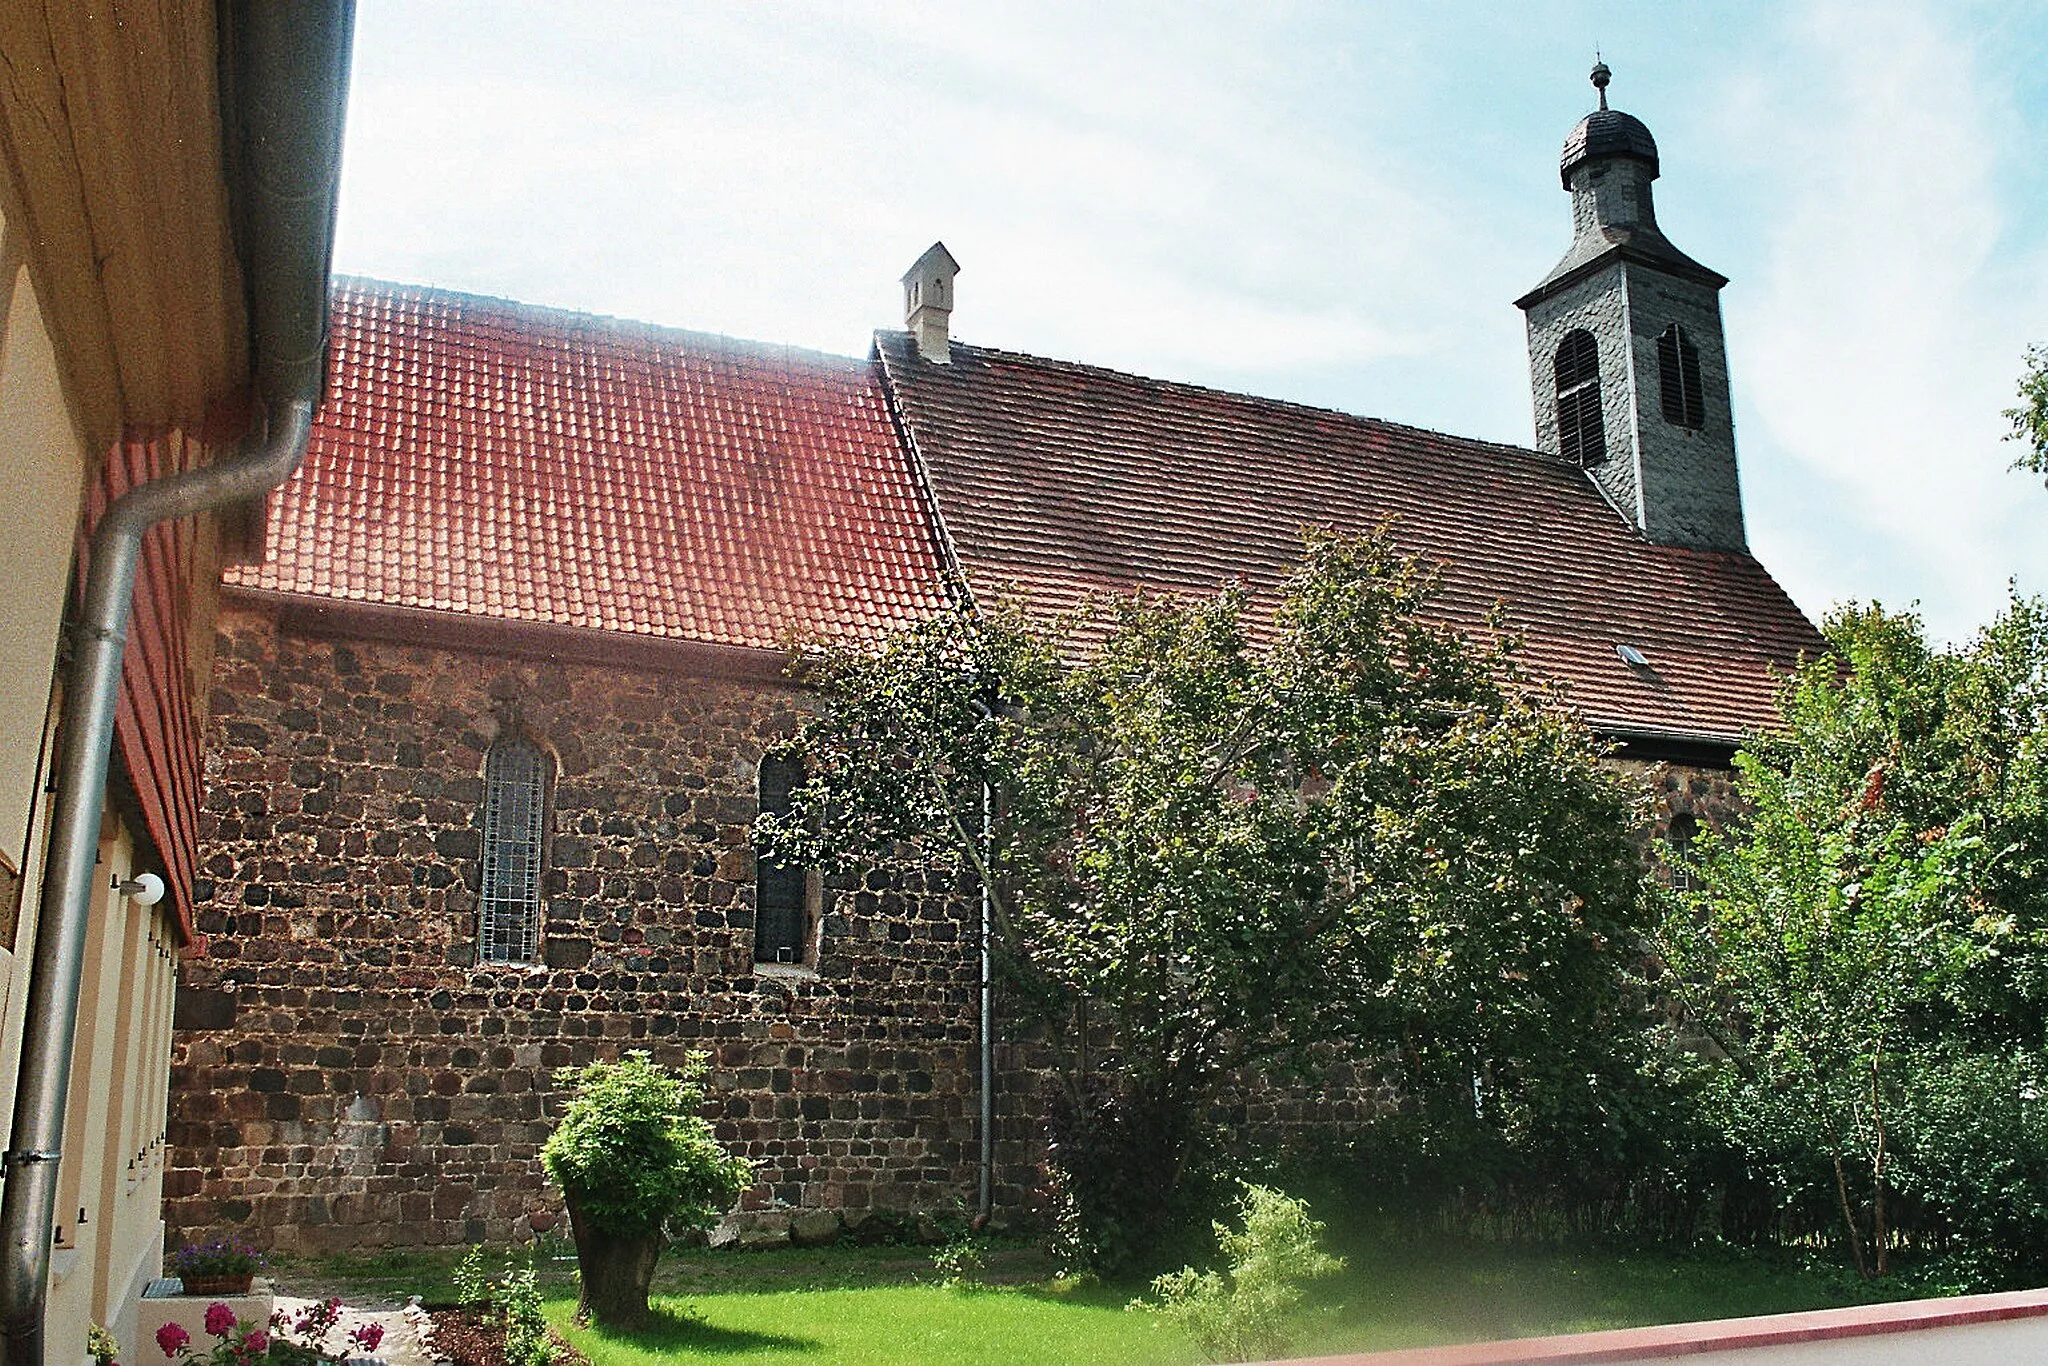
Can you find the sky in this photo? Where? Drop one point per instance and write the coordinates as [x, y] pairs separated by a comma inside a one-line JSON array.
[[1333, 203]]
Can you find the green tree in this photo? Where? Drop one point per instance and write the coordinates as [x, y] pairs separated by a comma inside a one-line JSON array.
[[1877, 921], [1215, 845], [2030, 419], [1243, 1312], [635, 1161]]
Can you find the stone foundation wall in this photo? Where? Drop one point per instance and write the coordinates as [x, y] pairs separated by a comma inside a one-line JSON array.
[[345, 1074]]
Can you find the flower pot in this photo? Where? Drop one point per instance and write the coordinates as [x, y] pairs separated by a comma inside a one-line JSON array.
[[236, 1283]]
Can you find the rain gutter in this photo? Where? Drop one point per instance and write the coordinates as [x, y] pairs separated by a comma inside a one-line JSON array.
[[284, 83]]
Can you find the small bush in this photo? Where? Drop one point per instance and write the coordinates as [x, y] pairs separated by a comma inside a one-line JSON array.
[[959, 1263], [473, 1284], [1242, 1313], [512, 1297], [633, 1154], [636, 1162], [526, 1329]]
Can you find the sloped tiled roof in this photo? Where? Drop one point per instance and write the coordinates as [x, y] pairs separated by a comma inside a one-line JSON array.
[[1061, 480], [487, 458]]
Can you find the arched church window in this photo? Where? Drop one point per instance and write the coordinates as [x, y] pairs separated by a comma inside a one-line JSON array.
[[1679, 837], [1581, 432], [516, 775], [1678, 374], [781, 890]]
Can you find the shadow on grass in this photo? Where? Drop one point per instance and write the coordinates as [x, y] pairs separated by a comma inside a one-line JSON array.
[[671, 1328]]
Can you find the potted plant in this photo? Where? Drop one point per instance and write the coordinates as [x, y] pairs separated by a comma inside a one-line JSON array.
[[220, 1267]]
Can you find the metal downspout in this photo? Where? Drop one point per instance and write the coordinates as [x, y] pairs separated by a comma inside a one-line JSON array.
[[986, 1201], [287, 62], [87, 736], [86, 731]]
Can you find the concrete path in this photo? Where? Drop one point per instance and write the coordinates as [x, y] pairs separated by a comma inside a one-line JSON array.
[[401, 1345]]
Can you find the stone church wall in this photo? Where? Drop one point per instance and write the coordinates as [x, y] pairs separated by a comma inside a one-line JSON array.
[[346, 1075]]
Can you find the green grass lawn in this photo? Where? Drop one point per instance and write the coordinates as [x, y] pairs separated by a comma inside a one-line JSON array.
[[887, 1324], [881, 1305], [1389, 1298]]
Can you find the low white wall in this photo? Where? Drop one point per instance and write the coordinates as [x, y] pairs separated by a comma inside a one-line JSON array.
[[1975, 1344], [1969, 1330]]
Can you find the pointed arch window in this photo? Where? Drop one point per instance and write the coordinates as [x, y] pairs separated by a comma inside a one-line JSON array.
[[1678, 375], [1680, 836], [515, 814], [781, 890], [1581, 432]]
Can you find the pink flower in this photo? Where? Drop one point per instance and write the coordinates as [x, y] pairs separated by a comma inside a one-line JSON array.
[[173, 1339], [257, 1343], [367, 1336], [220, 1320]]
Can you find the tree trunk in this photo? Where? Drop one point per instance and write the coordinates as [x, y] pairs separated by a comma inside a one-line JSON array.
[[1849, 1220], [1880, 1237], [616, 1272]]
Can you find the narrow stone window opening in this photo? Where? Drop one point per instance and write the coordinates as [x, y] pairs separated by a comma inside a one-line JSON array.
[[781, 890], [1680, 836], [1678, 375], [516, 780], [1581, 430]]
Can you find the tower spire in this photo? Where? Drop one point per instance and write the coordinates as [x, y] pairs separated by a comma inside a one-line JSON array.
[[1626, 354]]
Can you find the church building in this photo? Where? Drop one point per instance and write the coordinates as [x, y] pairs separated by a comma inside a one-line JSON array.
[[489, 710]]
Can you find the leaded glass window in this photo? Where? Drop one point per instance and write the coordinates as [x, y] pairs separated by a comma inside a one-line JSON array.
[[514, 849], [1684, 830]]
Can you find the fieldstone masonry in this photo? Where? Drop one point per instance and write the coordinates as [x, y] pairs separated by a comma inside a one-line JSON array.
[[347, 1075]]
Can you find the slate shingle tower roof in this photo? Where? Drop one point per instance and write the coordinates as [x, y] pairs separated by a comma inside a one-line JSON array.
[[1606, 133]]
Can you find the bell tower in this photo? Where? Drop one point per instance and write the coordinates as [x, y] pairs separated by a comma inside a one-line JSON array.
[[1626, 359]]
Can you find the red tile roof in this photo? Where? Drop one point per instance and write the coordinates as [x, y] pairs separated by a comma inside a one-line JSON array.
[[498, 460], [1062, 479]]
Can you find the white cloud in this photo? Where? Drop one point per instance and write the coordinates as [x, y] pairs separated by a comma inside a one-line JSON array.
[[1888, 331], [1321, 201]]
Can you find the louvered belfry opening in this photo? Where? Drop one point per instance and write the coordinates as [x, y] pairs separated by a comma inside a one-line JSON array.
[[514, 849], [1581, 432], [1678, 375], [780, 889]]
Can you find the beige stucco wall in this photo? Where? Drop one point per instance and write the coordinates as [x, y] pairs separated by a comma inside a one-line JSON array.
[[42, 465], [112, 1170], [113, 1150]]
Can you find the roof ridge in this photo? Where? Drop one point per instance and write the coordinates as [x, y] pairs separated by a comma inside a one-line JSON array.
[[575, 321], [1294, 405]]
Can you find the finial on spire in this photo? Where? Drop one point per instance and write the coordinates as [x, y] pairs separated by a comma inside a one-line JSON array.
[[1601, 76]]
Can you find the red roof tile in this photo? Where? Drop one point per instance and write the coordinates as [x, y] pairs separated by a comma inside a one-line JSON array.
[[1062, 479], [499, 460]]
